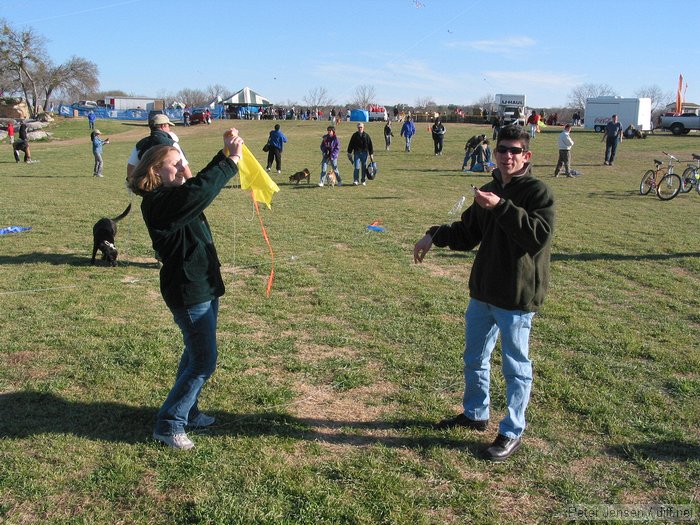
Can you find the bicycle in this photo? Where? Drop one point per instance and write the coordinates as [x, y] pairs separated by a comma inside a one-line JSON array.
[[691, 176], [663, 180]]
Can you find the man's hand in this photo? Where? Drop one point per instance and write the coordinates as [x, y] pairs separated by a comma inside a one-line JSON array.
[[421, 248], [486, 199]]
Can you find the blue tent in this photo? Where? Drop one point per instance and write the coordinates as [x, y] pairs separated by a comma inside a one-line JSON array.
[[359, 115]]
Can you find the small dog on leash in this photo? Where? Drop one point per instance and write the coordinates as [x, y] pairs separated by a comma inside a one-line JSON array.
[[301, 175], [103, 233], [331, 179]]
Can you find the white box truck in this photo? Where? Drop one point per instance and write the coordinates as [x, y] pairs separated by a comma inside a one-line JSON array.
[[513, 108], [599, 111]]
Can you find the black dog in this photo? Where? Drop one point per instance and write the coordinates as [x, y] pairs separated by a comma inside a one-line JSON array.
[[103, 233]]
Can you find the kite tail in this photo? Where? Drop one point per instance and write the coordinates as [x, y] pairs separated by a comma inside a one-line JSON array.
[[271, 278]]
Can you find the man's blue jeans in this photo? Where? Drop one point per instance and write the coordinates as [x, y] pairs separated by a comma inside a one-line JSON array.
[[408, 142], [360, 161], [610, 149], [483, 324], [197, 364]]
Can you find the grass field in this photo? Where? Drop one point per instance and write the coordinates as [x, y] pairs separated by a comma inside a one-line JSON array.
[[325, 391]]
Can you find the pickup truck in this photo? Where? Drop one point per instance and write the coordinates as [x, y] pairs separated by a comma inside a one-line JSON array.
[[680, 124]]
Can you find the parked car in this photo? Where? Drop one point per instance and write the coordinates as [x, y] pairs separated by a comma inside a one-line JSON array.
[[85, 104], [197, 116]]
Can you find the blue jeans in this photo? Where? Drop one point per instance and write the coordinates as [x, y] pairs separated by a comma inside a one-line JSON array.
[[408, 143], [483, 324], [359, 163], [198, 362], [610, 149], [97, 172], [324, 167]]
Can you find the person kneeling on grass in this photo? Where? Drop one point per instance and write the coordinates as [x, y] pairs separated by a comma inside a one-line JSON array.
[[512, 222], [190, 279]]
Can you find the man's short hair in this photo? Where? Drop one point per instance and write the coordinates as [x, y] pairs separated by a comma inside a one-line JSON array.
[[277, 127], [513, 132]]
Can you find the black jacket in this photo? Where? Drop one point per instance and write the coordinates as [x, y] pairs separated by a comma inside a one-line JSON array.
[[182, 237], [511, 268]]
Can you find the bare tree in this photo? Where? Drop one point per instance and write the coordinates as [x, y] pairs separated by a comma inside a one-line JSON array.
[[486, 101], [365, 95], [76, 78], [217, 90], [21, 54], [578, 95], [659, 98], [425, 103], [318, 98], [192, 97]]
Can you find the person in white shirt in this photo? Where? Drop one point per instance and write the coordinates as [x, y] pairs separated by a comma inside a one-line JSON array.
[[565, 142]]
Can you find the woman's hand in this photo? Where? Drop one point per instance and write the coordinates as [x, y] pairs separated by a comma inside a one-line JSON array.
[[233, 145]]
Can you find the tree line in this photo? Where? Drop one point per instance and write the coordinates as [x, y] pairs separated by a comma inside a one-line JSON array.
[[27, 69]]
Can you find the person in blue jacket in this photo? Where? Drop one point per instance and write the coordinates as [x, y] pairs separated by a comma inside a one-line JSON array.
[[190, 278], [407, 131], [97, 144], [276, 141]]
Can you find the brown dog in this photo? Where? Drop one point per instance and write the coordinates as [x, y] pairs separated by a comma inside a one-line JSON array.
[[301, 175], [331, 179]]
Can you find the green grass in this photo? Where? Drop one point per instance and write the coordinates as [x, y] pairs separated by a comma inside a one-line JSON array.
[[325, 391]]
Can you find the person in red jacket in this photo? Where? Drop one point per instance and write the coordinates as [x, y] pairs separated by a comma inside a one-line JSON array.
[[534, 121]]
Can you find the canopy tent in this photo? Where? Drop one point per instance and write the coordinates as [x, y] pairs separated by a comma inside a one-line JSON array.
[[247, 97]]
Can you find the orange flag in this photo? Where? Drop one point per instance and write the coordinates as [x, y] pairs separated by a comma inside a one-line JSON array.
[[679, 96]]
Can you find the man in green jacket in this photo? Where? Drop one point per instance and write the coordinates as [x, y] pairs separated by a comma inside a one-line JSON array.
[[512, 222]]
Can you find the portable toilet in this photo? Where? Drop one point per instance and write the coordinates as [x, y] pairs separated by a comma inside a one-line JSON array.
[[359, 115]]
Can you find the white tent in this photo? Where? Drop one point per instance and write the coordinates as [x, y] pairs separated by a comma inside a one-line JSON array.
[[247, 97]]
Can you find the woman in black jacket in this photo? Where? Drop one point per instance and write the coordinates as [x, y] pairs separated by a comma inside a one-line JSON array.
[[190, 280]]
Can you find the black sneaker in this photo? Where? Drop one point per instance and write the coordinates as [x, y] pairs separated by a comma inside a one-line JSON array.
[[460, 420], [503, 448]]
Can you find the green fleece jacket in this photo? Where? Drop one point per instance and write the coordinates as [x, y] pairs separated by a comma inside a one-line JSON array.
[[511, 268], [182, 237]]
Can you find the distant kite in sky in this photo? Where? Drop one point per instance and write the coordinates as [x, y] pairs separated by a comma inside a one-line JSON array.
[[418, 4]]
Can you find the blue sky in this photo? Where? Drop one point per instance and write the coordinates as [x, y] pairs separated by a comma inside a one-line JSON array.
[[452, 51]]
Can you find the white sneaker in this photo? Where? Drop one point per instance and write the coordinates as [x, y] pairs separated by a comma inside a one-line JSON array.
[[178, 441], [267, 169], [355, 183], [320, 184], [364, 184], [279, 171]]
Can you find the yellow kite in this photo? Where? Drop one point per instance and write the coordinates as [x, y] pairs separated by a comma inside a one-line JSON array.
[[254, 177]]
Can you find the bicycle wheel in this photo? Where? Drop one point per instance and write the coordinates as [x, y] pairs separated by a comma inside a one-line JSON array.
[[647, 182], [669, 186], [688, 179]]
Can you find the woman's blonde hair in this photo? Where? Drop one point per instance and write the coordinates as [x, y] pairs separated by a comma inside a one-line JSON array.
[[144, 179]]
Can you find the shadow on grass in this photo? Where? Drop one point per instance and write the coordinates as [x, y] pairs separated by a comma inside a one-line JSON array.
[[658, 451], [622, 257], [66, 259], [559, 257], [31, 413]]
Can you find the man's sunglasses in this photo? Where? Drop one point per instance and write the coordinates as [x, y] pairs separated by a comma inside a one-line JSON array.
[[514, 150]]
